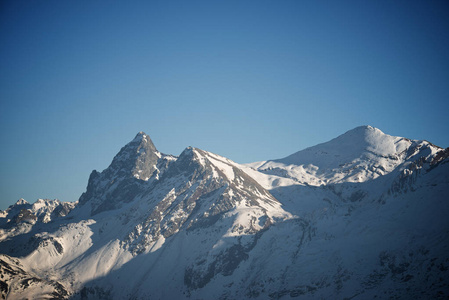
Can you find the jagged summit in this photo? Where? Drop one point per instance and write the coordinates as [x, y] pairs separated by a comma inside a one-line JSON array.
[[136, 159], [187, 151], [358, 217], [21, 201], [137, 162], [141, 136]]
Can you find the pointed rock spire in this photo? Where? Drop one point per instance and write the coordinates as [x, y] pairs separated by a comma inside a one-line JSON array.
[[136, 159], [21, 201]]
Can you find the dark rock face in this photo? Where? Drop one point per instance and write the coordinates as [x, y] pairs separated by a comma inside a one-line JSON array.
[[25, 215], [200, 226], [63, 210], [419, 162], [13, 213], [224, 263], [14, 277], [193, 195], [416, 272], [132, 170], [137, 159]]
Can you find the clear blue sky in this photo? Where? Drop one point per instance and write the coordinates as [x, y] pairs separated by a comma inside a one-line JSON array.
[[250, 80]]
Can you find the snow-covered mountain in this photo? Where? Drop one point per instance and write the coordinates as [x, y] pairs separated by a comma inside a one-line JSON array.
[[362, 216], [361, 154]]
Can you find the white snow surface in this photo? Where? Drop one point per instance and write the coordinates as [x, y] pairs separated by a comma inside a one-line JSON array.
[[361, 154], [359, 217]]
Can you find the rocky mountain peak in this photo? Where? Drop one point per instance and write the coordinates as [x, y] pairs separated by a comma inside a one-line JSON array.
[[136, 159], [134, 164], [21, 201], [359, 217]]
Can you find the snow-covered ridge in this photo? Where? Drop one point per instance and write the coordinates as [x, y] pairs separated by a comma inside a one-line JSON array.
[[20, 217], [361, 154], [359, 217], [43, 209]]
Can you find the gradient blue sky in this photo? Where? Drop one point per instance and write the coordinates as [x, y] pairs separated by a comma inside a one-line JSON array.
[[250, 80]]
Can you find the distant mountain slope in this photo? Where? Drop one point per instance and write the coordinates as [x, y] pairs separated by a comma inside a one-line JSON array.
[[361, 154], [360, 217]]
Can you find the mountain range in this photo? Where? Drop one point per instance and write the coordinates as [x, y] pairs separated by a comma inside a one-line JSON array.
[[363, 216]]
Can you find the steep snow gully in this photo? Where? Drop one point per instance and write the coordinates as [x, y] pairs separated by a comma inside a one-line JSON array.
[[363, 216]]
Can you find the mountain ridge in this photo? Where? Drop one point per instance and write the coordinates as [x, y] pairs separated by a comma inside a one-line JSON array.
[[360, 154], [200, 226]]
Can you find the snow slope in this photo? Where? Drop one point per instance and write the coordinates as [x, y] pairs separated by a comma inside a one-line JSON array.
[[362, 216], [361, 154]]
